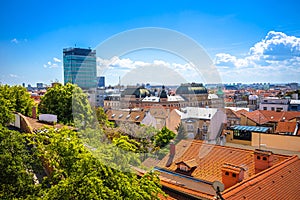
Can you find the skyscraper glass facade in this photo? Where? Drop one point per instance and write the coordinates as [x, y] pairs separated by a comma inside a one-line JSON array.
[[80, 67]]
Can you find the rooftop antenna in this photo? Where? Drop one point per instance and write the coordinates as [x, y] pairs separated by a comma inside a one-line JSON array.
[[218, 187]]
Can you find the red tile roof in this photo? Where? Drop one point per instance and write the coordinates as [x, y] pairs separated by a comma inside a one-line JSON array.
[[287, 127], [273, 116], [280, 181], [210, 159], [265, 116], [256, 116], [125, 115], [239, 112]]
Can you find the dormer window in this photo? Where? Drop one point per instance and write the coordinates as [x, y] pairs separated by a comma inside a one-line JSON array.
[[187, 166], [113, 115], [127, 116], [121, 115]]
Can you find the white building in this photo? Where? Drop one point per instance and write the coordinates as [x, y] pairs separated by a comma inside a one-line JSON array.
[[203, 123]]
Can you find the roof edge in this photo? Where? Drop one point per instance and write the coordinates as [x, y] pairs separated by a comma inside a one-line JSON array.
[[258, 177]]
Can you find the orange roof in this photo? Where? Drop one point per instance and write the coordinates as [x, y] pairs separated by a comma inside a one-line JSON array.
[[274, 116], [125, 115], [287, 127], [280, 181], [256, 116], [239, 112], [210, 159]]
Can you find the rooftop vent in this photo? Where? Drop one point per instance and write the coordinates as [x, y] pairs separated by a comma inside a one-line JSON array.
[[231, 174], [263, 159]]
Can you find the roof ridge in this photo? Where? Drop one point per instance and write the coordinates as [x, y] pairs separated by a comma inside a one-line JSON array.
[[258, 177]]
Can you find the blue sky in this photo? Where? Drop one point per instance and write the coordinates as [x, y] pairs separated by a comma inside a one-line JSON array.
[[250, 41]]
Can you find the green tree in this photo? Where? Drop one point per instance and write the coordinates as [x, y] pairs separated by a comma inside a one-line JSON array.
[[102, 118], [76, 173], [14, 99], [163, 137], [6, 115], [69, 103], [181, 133], [16, 177]]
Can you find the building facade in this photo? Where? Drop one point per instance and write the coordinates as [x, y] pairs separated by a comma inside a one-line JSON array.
[[80, 67]]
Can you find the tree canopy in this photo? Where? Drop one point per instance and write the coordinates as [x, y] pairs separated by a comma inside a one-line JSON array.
[[14, 99], [69, 103], [73, 172]]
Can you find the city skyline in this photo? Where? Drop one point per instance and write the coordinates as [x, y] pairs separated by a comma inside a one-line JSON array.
[[248, 42]]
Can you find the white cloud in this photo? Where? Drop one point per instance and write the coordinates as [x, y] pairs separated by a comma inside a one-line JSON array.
[[14, 41], [13, 76], [276, 57], [53, 64], [147, 71], [56, 60]]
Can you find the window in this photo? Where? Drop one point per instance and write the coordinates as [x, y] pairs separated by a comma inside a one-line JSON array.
[[264, 108], [190, 127], [264, 158], [272, 108], [258, 157], [227, 173], [183, 168], [233, 175]]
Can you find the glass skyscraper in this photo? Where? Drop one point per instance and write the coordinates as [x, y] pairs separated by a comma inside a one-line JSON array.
[[80, 67]]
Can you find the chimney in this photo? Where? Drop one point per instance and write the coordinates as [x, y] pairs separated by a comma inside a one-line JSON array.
[[263, 159], [231, 174], [172, 148], [33, 114], [172, 154]]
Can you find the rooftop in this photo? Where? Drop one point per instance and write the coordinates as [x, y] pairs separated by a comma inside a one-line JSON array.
[[210, 159], [198, 113], [277, 182]]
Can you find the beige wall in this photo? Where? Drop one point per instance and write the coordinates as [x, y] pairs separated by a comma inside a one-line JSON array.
[[173, 121], [245, 121], [291, 143]]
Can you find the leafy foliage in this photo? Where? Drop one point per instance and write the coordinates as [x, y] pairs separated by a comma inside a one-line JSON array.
[[76, 173], [14, 99], [69, 103], [16, 177], [181, 133], [102, 118], [163, 137]]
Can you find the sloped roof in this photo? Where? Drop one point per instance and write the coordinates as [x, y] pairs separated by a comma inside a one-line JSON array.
[[125, 115], [210, 159], [239, 112], [190, 163], [286, 127], [256, 116], [277, 182], [198, 113], [273, 116]]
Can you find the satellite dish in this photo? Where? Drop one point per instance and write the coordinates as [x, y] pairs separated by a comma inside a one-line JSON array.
[[218, 186]]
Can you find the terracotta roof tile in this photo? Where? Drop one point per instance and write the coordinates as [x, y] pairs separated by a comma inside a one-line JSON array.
[[210, 159], [280, 181], [286, 127], [125, 116], [256, 116], [273, 116], [239, 112]]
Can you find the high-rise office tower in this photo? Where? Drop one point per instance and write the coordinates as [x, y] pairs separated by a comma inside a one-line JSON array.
[[80, 67]]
